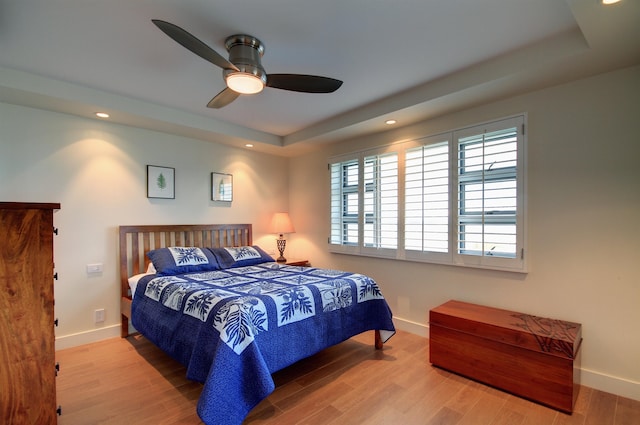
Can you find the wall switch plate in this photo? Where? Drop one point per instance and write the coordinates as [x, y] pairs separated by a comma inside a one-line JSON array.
[[94, 268], [99, 315]]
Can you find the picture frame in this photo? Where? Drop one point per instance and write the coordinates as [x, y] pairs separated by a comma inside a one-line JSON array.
[[161, 182], [221, 187]]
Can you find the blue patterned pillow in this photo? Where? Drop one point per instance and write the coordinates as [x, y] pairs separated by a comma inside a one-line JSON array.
[[240, 256], [177, 260]]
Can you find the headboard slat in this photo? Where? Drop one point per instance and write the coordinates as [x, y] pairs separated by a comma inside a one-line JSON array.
[[135, 253], [146, 248]]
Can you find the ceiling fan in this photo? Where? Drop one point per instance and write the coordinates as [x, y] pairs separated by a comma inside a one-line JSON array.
[[243, 72]]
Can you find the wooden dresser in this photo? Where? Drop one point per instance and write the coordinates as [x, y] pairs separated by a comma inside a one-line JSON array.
[[27, 340]]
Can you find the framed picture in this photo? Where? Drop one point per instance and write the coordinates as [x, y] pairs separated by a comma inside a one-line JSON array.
[[161, 182], [221, 187]]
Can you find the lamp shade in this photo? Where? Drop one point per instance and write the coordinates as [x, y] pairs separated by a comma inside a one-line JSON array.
[[281, 223]]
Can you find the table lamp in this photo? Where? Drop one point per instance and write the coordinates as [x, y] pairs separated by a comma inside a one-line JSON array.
[[281, 224]]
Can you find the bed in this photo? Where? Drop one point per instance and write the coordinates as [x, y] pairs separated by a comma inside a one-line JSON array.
[[223, 308]]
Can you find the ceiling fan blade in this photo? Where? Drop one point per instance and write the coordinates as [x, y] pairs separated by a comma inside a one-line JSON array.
[[190, 42], [223, 98], [303, 83]]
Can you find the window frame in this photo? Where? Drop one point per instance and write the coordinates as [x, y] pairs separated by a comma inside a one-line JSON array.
[[518, 263]]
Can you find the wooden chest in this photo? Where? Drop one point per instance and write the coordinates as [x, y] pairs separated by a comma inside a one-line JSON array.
[[529, 356]]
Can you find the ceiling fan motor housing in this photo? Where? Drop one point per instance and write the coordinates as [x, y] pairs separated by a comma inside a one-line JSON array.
[[245, 52], [243, 71]]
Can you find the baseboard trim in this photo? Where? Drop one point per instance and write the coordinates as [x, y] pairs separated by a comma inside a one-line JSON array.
[[412, 327], [610, 384], [87, 337], [589, 378]]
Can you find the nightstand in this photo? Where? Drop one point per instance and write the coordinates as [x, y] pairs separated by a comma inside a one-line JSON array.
[[297, 262]]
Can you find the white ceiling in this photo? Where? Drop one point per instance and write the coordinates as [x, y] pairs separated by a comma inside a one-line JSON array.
[[406, 59]]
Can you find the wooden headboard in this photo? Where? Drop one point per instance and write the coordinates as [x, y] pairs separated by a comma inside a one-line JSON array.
[[136, 241]]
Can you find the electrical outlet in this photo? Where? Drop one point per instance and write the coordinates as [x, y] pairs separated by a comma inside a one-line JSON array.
[[99, 315]]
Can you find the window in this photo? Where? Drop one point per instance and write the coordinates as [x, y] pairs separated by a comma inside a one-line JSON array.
[[364, 203], [427, 198], [344, 203], [381, 201], [453, 198], [487, 193]]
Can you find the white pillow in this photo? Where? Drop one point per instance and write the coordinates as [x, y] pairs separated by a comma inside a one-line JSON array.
[[133, 280]]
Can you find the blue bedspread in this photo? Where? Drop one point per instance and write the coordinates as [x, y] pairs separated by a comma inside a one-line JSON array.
[[232, 328]]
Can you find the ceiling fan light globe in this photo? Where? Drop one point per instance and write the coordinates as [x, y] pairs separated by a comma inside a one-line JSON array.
[[244, 83]]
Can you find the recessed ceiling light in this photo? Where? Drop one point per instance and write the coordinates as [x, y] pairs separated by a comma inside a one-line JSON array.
[[390, 122], [249, 145], [610, 1], [102, 115]]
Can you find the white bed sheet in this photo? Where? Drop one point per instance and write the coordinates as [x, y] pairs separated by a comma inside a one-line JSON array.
[[133, 280]]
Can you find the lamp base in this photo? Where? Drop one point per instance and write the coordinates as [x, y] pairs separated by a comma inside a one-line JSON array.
[[281, 243]]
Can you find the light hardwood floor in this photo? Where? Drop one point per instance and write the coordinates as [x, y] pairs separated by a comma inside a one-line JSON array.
[[130, 381]]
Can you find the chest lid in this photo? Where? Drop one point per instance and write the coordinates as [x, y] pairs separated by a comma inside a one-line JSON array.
[[555, 337]]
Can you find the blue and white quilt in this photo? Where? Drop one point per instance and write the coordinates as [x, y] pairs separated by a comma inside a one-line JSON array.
[[233, 328]]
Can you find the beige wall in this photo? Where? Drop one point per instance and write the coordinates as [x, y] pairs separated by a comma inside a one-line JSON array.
[[583, 224], [97, 171]]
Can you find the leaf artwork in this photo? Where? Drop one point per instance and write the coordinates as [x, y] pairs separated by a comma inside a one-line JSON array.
[[161, 182], [189, 255], [241, 320], [155, 287], [336, 299], [370, 288], [200, 304], [244, 252], [551, 334], [173, 295], [295, 299]]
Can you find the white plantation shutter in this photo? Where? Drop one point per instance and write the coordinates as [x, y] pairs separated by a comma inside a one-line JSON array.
[[381, 201], [336, 206], [489, 194], [455, 198], [344, 203], [427, 198], [364, 204]]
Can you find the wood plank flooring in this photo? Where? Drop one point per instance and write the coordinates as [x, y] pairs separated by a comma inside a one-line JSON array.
[[130, 381]]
